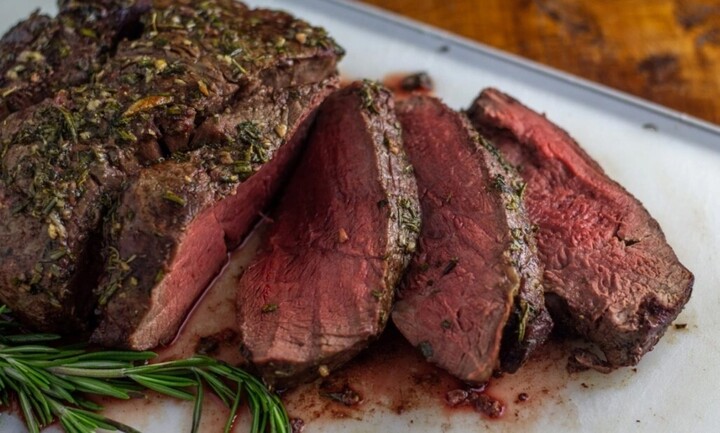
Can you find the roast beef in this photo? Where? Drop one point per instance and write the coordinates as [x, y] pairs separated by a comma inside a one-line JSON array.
[[42, 55], [182, 116], [322, 286], [609, 273], [473, 290], [182, 217]]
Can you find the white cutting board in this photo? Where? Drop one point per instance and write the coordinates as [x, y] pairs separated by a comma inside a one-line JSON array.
[[673, 167]]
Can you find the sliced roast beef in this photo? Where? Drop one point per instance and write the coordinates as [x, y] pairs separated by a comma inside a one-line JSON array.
[[609, 273], [473, 293], [322, 286], [67, 161], [179, 219]]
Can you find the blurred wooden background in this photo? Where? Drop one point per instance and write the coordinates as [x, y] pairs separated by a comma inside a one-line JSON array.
[[666, 51]]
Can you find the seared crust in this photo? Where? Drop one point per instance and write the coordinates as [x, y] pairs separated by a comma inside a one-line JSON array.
[[67, 160], [474, 284], [609, 273], [322, 287]]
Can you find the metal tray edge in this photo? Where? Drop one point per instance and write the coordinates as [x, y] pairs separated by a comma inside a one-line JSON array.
[[522, 62]]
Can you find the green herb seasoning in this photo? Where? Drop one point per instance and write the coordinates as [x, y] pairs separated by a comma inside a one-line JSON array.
[[450, 265], [269, 308], [118, 270], [147, 103], [250, 136], [409, 217], [368, 92], [525, 313], [172, 197], [426, 349]]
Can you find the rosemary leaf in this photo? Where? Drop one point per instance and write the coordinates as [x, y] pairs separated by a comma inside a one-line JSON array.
[[197, 407], [218, 387], [159, 386], [52, 383], [233, 411], [97, 387], [28, 338], [28, 413]]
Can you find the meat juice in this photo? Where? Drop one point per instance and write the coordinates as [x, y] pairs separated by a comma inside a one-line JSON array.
[[390, 377]]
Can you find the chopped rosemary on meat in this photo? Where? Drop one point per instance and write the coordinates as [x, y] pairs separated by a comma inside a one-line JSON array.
[[409, 215], [269, 308], [250, 135], [148, 103], [426, 349], [525, 314], [450, 266], [172, 197], [368, 91], [52, 383]]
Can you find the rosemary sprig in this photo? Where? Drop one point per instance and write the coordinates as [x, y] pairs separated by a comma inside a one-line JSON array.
[[52, 383]]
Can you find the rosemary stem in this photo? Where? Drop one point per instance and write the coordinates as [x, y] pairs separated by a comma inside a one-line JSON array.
[[54, 383], [111, 373]]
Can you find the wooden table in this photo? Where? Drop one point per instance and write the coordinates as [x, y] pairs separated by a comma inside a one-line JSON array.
[[666, 51]]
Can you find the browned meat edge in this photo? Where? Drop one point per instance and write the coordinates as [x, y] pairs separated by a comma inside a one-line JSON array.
[[609, 273], [321, 288], [181, 244], [475, 279]]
